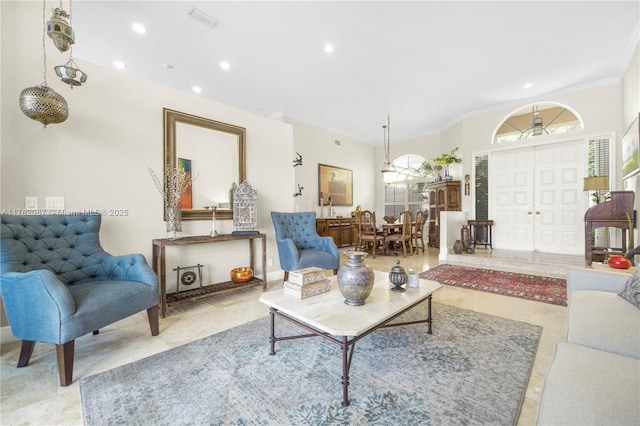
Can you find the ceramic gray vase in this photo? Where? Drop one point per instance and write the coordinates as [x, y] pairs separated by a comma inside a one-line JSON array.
[[355, 279]]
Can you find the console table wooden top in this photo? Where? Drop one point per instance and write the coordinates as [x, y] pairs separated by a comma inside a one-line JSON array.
[[195, 239]]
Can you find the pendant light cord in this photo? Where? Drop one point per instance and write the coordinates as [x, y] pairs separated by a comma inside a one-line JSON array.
[[44, 48]]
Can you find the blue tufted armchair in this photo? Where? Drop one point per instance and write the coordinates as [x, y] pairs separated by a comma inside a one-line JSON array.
[[299, 244], [57, 283]]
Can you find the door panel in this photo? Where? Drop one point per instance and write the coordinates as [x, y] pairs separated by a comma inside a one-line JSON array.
[[559, 205], [511, 199]]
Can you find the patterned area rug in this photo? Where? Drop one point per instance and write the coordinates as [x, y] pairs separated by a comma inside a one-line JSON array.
[[532, 287], [473, 369]]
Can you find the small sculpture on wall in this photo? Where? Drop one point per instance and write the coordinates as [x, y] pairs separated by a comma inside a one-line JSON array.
[[298, 160], [299, 193]]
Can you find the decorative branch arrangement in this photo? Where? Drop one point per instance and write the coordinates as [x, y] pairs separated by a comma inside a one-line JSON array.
[[178, 181]]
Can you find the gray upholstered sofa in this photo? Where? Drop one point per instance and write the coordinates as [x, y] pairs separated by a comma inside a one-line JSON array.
[[594, 377]]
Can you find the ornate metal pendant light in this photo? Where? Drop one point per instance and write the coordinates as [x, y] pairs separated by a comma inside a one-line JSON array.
[[42, 103], [69, 73], [59, 30]]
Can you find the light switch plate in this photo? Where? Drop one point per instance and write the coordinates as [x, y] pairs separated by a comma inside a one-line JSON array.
[[31, 203], [54, 203]]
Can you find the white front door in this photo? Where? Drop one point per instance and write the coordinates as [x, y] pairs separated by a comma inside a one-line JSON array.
[[537, 199], [511, 183]]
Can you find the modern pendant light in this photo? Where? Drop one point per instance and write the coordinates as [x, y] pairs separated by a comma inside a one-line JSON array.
[[388, 167]]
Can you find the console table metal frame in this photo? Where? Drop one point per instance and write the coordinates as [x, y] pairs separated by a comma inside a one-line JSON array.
[[160, 267]]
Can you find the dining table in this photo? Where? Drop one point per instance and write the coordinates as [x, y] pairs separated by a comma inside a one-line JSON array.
[[390, 228]]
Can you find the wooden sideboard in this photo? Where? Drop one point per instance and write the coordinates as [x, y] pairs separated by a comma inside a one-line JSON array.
[[443, 196], [341, 229], [160, 267]]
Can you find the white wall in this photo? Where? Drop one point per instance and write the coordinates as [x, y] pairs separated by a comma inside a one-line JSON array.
[[318, 146]]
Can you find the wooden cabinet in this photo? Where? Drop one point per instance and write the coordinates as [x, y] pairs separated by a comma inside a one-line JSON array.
[[443, 196], [341, 229]]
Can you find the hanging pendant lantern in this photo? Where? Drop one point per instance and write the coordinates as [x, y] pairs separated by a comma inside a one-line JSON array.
[[70, 73], [59, 30], [43, 104]]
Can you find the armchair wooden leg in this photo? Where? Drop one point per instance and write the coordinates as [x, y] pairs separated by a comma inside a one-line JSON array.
[[152, 314], [26, 352], [286, 276], [65, 362]]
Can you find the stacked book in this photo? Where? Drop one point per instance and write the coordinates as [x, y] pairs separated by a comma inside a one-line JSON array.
[[307, 282]]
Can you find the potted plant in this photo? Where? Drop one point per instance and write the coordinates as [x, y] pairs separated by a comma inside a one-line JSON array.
[[446, 159]]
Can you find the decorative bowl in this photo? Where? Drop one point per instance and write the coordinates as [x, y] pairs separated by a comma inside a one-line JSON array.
[[241, 275], [619, 262]]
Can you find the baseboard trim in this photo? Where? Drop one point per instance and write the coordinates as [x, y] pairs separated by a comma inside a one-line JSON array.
[[6, 336]]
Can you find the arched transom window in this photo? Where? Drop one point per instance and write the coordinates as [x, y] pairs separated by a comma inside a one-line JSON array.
[[540, 119]]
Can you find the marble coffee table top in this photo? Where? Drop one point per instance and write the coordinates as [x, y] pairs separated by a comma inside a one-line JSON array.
[[327, 312]]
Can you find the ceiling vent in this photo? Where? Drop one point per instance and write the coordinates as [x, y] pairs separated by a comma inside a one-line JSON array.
[[202, 17]]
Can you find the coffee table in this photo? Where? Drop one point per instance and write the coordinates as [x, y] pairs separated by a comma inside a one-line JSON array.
[[327, 316]]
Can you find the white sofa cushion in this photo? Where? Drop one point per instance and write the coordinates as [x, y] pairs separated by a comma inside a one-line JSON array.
[[586, 386], [603, 320]]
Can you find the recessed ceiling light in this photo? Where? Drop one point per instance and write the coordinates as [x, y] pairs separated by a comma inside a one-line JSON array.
[[328, 48], [119, 64], [527, 85], [196, 89], [139, 28], [225, 65]]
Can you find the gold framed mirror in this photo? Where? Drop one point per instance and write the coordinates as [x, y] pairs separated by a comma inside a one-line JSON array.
[[215, 154]]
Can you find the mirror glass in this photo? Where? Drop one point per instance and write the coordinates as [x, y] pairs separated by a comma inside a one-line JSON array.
[[214, 152]]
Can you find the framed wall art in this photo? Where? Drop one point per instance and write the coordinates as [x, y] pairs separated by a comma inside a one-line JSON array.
[[186, 202], [337, 183], [631, 149]]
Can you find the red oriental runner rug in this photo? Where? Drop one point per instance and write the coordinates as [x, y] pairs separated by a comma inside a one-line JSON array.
[[524, 286]]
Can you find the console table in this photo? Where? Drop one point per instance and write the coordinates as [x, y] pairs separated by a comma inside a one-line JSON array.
[[160, 266]]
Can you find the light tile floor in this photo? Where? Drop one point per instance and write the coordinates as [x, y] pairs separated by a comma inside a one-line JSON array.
[[32, 395]]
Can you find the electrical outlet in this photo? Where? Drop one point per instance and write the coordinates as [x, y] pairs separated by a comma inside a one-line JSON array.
[[31, 203], [54, 203]]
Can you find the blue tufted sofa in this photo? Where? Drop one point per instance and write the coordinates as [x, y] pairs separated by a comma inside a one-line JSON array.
[[299, 244], [57, 283]]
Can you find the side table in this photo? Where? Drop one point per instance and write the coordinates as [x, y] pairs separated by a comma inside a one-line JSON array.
[[486, 232]]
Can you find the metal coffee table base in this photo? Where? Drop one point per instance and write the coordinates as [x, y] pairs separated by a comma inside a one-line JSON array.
[[346, 343]]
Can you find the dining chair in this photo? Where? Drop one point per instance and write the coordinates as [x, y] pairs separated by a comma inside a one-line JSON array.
[[404, 237], [417, 234], [368, 232]]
